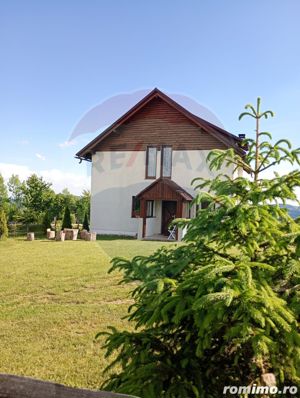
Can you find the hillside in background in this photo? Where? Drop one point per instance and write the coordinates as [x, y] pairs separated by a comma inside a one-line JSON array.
[[293, 210]]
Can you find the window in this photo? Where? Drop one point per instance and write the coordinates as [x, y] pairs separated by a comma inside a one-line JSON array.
[[151, 162], [136, 207], [205, 204], [166, 161], [149, 208]]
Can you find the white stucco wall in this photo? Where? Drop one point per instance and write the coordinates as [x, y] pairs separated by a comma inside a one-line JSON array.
[[117, 176], [187, 165], [153, 224]]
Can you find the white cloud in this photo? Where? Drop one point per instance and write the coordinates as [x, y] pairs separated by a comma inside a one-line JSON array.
[[67, 144], [39, 156], [75, 182], [7, 169]]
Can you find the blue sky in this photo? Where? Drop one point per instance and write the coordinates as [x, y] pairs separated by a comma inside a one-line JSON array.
[[59, 59]]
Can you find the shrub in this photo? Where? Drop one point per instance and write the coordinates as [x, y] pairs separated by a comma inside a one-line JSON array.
[[67, 223], [58, 225], [86, 222], [3, 225]]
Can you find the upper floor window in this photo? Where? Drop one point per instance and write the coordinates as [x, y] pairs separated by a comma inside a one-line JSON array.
[[166, 161], [151, 162]]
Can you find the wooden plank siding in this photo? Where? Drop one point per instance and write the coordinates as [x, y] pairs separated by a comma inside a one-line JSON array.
[[160, 192], [157, 123], [164, 189]]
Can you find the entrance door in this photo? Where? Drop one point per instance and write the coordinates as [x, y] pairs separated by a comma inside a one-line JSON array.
[[168, 214]]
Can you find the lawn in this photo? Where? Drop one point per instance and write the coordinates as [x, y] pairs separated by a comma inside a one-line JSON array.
[[54, 298]]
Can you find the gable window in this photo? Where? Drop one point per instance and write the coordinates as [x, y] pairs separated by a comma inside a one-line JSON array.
[[166, 161], [149, 208], [136, 207], [151, 162]]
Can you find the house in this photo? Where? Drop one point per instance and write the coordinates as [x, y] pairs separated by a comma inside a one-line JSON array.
[[143, 165]]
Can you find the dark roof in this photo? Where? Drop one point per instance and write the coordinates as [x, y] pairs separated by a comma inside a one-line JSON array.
[[228, 139], [170, 184]]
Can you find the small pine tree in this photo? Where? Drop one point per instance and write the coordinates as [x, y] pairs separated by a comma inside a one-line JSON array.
[[222, 309], [86, 222], [46, 221], [3, 225], [67, 222]]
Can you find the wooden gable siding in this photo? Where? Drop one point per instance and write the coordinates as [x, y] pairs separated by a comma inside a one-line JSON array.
[[159, 124], [164, 189], [161, 192]]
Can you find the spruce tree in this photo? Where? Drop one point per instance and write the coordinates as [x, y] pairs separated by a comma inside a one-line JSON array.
[[67, 223], [3, 225], [221, 309], [86, 222]]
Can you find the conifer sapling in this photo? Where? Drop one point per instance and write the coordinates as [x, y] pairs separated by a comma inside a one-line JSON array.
[[86, 223], [67, 222], [222, 308]]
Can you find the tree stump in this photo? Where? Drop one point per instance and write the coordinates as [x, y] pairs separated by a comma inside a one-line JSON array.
[[68, 233], [60, 236], [83, 233], [71, 233], [75, 234], [30, 236], [90, 236], [50, 234]]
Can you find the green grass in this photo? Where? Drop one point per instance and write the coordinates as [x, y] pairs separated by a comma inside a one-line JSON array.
[[54, 298], [130, 248]]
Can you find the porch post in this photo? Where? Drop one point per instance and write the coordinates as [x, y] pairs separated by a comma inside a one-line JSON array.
[[179, 208], [143, 215]]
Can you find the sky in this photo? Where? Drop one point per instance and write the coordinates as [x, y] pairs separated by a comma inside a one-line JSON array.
[[61, 59]]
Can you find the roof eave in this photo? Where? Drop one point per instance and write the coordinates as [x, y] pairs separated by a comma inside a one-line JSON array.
[[81, 158]]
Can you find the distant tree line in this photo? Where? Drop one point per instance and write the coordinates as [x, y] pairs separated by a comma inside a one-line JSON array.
[[33, 201]]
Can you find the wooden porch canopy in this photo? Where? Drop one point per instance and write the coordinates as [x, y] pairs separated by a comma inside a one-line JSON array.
[[164, 189]]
